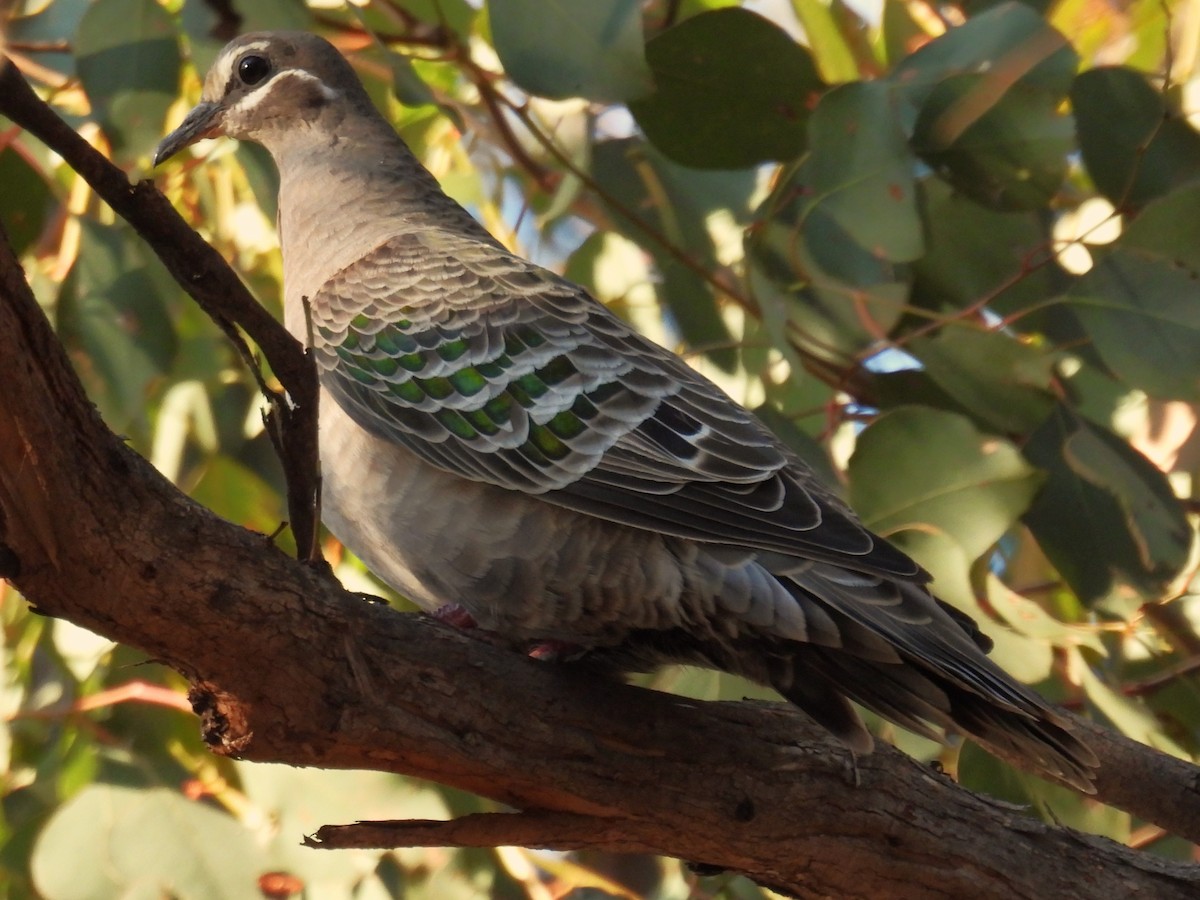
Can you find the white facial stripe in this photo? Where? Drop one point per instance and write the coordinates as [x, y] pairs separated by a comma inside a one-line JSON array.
[[326, 91], [225, 63], [251, 101]]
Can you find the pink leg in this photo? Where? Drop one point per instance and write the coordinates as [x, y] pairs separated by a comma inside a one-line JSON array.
[[554, 651], [453, 614]]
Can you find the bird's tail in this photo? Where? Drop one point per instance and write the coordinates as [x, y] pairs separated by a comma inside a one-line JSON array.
[[905, 655]]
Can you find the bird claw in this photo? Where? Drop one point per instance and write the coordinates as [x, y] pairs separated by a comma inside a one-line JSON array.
[[456, 615], [853, 776]]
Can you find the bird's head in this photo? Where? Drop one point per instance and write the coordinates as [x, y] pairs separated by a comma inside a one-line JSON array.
[[267, 87]]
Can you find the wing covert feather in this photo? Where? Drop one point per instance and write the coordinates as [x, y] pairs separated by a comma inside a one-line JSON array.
[[496, 370]]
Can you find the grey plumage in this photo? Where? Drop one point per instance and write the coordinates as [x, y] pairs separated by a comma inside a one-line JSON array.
[[492, 437]]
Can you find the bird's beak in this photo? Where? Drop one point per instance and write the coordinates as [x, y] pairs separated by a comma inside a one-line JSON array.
[[203, 121]]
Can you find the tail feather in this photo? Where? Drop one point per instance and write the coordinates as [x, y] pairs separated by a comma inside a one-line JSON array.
[[889, 646], [943, 677], [917, 699]]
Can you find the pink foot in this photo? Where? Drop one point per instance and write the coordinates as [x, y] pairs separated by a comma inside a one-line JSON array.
[[453, 614], [554, 651]]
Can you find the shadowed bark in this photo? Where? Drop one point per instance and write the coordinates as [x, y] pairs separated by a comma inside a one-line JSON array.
[[287, 667]]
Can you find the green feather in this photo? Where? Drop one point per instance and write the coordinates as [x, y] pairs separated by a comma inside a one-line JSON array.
[[452, 350], [542, 438], [468, 382], [407, 391], [385, 366], [412, 362], [394, 342], [437, 388], [452, 420], [566, 425]]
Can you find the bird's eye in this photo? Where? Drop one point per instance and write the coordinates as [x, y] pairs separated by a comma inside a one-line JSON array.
[[253, 68]]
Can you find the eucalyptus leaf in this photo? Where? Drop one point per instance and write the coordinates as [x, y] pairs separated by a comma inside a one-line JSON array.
[[1003, 382], [572, 48], [113, 318], [976, 254], [1136, 147], [1143, 313], [731, 89], [1106, 516], [28, 200], [837, 297], [917, 468], [834, 57], [860, 171], [1006, 146], [652, 196], [1009, 41], [111, 841], [128, 59]]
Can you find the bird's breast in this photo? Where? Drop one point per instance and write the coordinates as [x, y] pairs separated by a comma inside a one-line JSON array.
[[520, 565]]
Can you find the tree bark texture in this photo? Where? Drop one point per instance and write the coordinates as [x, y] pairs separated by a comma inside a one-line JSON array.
[[287, 667]]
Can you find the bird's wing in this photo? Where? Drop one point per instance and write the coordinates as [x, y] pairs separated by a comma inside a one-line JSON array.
[[496, 370]]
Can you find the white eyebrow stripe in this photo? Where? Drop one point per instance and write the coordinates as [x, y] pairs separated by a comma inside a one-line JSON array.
[[251, 101], [226, 63]]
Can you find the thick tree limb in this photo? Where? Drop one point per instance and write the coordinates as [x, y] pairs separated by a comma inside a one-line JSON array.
[[289, 668]]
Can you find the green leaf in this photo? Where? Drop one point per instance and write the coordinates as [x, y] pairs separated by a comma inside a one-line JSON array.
[[27, 199], [837, 231], [237, 494], [731, 89], [572, 48], [1129, 715], [1010, 42], [1141, 302], [1004, 145], [983, 103], [823, 313], [861, 171], [1003, 382], [1135, 146], [1029, 618], [910, 387], [837, 296], [111, 841], [113, 318], [917, 468], [53, 24], [834, 58], [1143, 313], [1169, 228], [299, 801], [1106, 515], [657, 196], [128, 59], [975, 254], [901, 33]]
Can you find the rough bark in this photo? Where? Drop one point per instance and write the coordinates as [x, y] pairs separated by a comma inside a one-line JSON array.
[[287, 667]]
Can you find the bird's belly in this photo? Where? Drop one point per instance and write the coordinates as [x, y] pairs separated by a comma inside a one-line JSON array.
[[521, 566], [370, 498]]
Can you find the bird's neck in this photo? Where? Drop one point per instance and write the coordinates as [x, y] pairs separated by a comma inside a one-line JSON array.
[[342, 195]]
